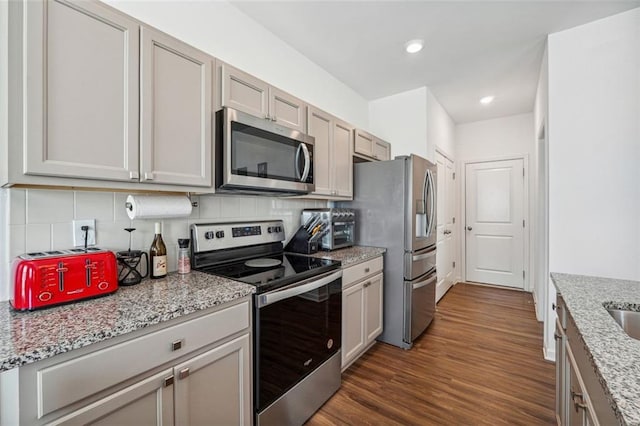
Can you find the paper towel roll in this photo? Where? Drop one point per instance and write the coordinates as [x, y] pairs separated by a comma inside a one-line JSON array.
[[157, 206]]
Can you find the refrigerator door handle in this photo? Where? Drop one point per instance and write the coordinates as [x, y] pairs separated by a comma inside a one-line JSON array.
[[421, 284], [432, 210], [425, 194]]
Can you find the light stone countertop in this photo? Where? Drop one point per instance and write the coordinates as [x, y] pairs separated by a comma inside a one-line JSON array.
[[614, 355], [27, 337], [351, 255]]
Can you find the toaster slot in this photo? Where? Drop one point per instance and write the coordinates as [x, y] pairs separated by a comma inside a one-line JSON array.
[[61, 271], [88, 268]]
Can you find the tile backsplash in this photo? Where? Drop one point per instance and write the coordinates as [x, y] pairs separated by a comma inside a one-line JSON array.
[[35, 220]]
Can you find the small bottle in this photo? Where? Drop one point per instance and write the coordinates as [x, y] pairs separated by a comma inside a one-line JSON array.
[[158, 256], [184, 263]]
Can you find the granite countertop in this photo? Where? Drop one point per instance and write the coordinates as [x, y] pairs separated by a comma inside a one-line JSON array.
[[614, 355], [351, 255], [27, 337]]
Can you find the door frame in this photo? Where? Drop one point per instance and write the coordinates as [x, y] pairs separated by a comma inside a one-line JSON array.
[[456, 276], [525, 210]]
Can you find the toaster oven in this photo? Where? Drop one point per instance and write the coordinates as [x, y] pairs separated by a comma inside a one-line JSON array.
[[339, 223], [54, 277]]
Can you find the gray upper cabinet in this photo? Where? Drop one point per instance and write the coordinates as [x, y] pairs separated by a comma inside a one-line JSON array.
[[363, 143], [332, 152], [369, 147], [176, 111], [244, 92], [381, 149], [81, 104], [249, 94]]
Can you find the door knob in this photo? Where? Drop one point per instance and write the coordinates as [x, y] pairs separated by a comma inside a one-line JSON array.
[[469, 228]]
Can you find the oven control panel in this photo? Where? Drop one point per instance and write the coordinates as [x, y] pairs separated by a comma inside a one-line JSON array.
[[246, 231], [225, 235]]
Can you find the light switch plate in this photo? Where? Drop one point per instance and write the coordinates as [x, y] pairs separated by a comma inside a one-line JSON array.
[[78, 233]]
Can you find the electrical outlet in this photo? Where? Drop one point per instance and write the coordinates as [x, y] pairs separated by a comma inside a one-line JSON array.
[[78, 233]]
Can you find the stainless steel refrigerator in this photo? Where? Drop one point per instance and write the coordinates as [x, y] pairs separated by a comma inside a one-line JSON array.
[[395, 206]]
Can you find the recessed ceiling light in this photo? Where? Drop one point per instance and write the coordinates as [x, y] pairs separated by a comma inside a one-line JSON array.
[[414, 46], [487, 100]]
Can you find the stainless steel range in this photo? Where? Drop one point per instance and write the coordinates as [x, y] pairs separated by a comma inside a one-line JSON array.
[[297, 315]]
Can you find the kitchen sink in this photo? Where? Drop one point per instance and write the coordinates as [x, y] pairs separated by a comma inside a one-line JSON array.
[[628, 320]]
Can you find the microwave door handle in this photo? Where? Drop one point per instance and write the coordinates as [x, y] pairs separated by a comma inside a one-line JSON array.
[[307, 162], [297, 161], [278, 295]]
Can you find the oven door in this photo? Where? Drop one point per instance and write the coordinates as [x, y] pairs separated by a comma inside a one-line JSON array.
[[297, 329], [260, 156]]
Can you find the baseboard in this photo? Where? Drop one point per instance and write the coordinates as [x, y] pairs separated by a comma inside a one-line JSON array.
[[549, 354], [535, 306]]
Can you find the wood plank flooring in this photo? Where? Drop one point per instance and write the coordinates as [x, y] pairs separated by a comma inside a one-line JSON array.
[[479, 363]]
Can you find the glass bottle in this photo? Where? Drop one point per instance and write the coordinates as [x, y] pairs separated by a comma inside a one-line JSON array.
[[158, 255], [184, 262]]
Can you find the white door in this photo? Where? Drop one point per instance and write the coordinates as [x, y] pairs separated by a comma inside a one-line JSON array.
[[444, 256], [494, 195]]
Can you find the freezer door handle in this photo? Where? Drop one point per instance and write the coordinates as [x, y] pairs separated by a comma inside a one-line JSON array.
[[428, 281], [424, 256]]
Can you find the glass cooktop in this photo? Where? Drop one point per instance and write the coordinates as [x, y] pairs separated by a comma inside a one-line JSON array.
[[273, 271]]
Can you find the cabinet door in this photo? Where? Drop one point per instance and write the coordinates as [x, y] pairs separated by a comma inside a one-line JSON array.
[[353, 338], [176, 111], [561, 400], [244, 92], [81, 85], [148, 402], [363, 143], [381, 150], [320, 127], [373, 308], [287, 110], [342, 159], [215, 387]]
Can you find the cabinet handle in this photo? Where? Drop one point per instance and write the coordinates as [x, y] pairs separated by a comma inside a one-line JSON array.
[[274, 118], [366, 270], [176, 345], [148, 176], [553, 306], [168, 381], [367, 284], [557, 336], [184, 373], [267, 117], [134, 175]]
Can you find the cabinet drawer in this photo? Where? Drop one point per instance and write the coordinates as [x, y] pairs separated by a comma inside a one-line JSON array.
[[357, 272], [70, 381]]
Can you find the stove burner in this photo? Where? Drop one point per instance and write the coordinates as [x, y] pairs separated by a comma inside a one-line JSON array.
[[262, 263]]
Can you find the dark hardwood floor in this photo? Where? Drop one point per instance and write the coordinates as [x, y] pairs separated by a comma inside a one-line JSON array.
[[479, 362]]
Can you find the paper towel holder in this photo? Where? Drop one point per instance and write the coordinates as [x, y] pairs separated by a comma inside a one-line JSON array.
[[129, 206]]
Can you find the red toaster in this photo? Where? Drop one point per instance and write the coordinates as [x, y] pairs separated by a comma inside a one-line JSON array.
[[54, 277]]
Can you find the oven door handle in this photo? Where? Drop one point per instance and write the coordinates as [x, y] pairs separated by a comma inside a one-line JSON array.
[[277, 295]]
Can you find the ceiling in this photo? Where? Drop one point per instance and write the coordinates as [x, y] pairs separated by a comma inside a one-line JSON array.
[[472, 48]]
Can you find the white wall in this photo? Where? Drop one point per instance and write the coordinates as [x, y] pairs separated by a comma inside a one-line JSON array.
[[219, 28], [440, 129], [401, 120], [594, 148], [42, 220], [499, 137]]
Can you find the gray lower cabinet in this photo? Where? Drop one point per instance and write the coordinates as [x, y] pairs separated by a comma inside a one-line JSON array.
[[175, 112], [332, 151], [249, 94], [190, 371], [580, 399], [81, 90], [362, 306], [148, 402]]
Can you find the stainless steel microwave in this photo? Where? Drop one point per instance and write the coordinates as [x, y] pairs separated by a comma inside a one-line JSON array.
[[256, 156]]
